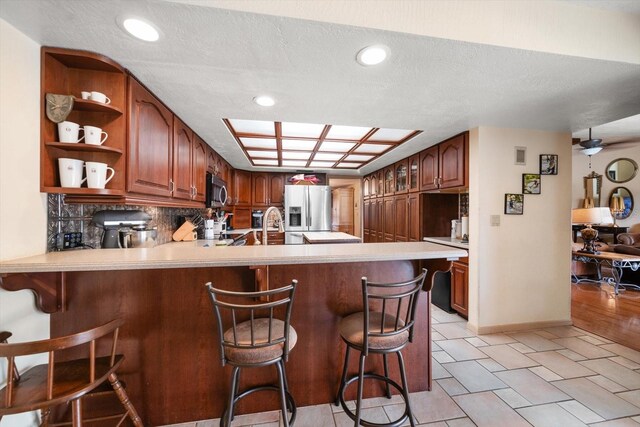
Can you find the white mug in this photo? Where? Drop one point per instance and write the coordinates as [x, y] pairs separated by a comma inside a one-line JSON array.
[[70, 172], [85, 94], [100, 97], [93, 135], [69, 131], [97, 174]]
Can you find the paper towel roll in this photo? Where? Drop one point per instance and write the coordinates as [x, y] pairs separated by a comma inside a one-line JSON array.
[[465, 226]]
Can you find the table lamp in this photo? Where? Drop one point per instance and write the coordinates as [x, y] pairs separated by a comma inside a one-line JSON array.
[[587, 216], [617, 207]]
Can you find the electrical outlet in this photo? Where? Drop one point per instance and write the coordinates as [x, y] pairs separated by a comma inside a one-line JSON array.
[[495, 220]]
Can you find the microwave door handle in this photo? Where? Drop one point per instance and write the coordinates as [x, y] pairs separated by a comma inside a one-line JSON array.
[[225, 195]]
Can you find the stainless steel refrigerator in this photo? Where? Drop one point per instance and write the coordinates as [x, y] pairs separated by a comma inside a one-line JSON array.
[[306, 208]]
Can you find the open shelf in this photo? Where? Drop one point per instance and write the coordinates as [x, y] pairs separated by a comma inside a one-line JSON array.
[[83, 191], [88, 105], [84, 60], [80, 146]]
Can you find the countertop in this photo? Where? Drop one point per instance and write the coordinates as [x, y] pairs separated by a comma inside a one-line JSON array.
[[330, 237], [195, 254], [456, 243]]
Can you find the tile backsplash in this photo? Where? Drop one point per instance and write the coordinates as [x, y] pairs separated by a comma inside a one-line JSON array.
[[77, 217]]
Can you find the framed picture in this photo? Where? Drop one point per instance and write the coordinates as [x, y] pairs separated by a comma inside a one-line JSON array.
[[513, 204], [548, 164], [531, 183]]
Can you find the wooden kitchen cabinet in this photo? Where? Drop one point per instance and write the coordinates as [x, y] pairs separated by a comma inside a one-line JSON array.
[[68, 72], [199, 176], [212, 158], [453, 158], [460, 286], [268, 189], [379, 211], [429, 169], [445, 166], [182, 160], [366, 182], [413, 217], [379, 183], [366, 221], [388, 220], [276, 189], [389, 181], [400, 206], [242, 217], [150, 156], [260, 183], [413, 181], [401, 176], [242, 193]]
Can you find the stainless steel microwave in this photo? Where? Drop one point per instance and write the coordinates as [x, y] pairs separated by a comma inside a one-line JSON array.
[[216, 191]]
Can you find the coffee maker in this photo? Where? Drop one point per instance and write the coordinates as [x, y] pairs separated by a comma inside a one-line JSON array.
[[112, 221]]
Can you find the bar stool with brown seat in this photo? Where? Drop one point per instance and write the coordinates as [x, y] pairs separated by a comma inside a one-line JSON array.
[[384, 326], [44, 386], [250, 335]]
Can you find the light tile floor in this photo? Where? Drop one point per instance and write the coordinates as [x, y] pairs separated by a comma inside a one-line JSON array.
[[543, 378]]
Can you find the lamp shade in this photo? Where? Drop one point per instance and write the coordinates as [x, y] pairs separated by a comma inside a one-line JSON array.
[[587, 216], [605, 216]]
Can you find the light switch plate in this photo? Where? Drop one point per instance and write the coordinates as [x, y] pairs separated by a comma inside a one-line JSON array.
[[495, 220]]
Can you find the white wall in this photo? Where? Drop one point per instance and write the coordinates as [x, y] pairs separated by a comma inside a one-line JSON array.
[[519, 271], [23, 214], [598, 164]]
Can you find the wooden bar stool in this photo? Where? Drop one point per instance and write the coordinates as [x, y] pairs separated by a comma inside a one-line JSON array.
[[54, 383], [384, 326], [251, 336]]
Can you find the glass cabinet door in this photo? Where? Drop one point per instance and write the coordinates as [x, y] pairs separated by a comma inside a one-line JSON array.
[[401, 177], [414, 162], [388, 181]]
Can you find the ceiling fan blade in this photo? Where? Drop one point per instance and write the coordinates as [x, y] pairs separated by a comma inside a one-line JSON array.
[[622, 144], [575, 141]]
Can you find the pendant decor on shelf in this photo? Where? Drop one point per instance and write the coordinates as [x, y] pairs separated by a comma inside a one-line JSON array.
[[58, 107]]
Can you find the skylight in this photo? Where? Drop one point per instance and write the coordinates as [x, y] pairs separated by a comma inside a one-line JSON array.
[[309, 145]]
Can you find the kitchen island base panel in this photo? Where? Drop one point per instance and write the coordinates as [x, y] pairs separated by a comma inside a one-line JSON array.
[[172, 367]]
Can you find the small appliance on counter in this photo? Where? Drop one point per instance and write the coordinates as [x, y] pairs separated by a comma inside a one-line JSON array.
[[125, 229], [256, 219]]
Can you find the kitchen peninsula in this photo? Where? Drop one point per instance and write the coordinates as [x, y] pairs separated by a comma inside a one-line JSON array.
[[172, 370]]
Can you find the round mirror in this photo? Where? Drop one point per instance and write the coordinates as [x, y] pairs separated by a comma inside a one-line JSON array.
[[621, 202], [621, 170]]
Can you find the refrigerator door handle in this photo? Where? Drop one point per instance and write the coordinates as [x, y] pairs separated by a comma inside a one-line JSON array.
[[308, 209]]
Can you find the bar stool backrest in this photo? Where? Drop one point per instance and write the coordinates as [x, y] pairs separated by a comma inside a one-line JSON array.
[[254, 305], [396, 299], [52, 395]]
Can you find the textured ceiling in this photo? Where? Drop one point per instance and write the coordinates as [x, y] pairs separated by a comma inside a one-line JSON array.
[[210, 63]]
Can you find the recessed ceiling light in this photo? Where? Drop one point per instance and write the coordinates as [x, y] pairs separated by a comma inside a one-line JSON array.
[[264, 101], [372, 55], [141, 29]]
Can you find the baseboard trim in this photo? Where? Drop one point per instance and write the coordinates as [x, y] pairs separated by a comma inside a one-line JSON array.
[[510, 327]]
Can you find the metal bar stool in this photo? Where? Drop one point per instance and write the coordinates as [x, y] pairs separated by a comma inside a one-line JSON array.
[[57, 382], [384, 326], [251, 336]]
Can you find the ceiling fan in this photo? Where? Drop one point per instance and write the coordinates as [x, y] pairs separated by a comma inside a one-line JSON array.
[[593, 146]]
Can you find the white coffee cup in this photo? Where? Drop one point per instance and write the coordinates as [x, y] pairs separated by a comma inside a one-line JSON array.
[[85, 94], [97, 174], [93, 135], [70, 172], [100, 97], [69, 131]]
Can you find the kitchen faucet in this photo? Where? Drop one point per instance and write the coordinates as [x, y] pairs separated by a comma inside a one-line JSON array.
[[265, 221]]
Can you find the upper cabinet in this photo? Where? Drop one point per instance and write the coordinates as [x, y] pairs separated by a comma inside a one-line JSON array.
[[150, 157], [69, 72], [445, 166], [199, 170], [366, 182], [242, 194], [268, 189], [413, 181], [401, 176], [182, 160], [389, 182]]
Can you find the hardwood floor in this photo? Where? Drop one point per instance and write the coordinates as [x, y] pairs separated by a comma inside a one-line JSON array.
[[596, 309]]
